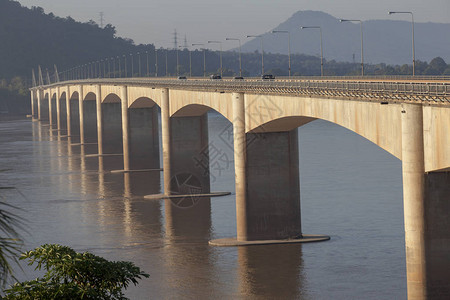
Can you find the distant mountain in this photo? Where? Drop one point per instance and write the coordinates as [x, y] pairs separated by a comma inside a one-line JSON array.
[[385, 41]]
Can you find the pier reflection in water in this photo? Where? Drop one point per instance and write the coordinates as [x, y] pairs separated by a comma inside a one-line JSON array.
[[350, 189]]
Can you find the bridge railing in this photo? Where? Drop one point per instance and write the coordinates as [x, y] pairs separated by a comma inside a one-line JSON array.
[[405, 89]]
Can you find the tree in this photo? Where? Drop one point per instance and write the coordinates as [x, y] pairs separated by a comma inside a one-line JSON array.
[[10, 241], [73, 275]]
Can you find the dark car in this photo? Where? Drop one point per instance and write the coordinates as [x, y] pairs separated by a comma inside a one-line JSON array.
[[267, 77], [215, 76], [238, 78], [182, 77]]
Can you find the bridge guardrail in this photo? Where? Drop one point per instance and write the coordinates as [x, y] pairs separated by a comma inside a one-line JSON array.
[[366, 88]]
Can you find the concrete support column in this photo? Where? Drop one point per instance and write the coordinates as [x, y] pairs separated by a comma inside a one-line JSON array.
[[50, 109], [125, 126], [32, 103], [437, 234], [413, 199], [58, 111], [81, 112], [69, 113], [98, 99], [238, 104], [165, 131], [39, 97]]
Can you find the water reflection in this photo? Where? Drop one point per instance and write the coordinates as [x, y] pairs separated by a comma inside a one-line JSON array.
[[283, 272]]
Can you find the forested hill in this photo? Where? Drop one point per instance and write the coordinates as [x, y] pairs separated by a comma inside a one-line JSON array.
[[29, 37]]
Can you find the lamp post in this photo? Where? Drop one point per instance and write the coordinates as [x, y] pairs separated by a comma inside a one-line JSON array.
[[132, 65], [125, 62], [412, 22], [240, 60], [156, 62], [289, 46], [218, 42], [262, 50], [204, 58], [139, 61], [109, 66], [190, 59], [120, 68], [176, 69], [321, 51], [148, 70], [362, 45], [166, 62]]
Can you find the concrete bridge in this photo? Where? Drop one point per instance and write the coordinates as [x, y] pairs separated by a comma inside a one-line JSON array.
[[409, 118]]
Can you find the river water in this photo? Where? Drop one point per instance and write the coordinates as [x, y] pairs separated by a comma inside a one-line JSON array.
[[350, 190]]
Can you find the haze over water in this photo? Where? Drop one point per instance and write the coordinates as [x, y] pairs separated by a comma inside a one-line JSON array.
[[350, 189]]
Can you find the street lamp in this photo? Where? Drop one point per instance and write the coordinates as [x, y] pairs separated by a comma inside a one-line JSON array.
[[120, 68], [109, 67], [262, 50], [412, 22], [177, 70], [218, 42], [321, 52], [240, 60], [190, 60], [132, 65], [362, 48], [139, 61], [125, 61], [156, 62], [204, 58], [289, 46], [148, 70], [166, 62]]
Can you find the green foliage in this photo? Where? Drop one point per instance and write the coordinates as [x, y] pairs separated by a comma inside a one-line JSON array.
[[10, 241], [73, 275]]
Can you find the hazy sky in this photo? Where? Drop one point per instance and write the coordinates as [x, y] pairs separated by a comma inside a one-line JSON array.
[[147, 21]]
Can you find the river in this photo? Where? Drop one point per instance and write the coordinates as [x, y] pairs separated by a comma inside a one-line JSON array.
[[351, 190]]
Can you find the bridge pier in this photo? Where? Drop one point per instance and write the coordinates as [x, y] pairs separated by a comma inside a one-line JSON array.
[[81, 113], [267, 185], [50, 109], [427, 214], [39, 104], [58, 111], [33, 102], [125, 128], [99, 110], [68, 113]]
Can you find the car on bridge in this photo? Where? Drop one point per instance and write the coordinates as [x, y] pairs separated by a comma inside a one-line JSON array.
[[238, 78], [215, 77], [182, 77], [267, 77]]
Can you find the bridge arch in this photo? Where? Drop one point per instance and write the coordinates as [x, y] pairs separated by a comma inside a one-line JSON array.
[[111, 98], [380, 124], [74, 95], [220, 102], [142, 102], [90, 96]]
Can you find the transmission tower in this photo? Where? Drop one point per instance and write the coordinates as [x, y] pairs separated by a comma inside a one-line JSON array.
[[175, 39], [101, 19], [185, 46]]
